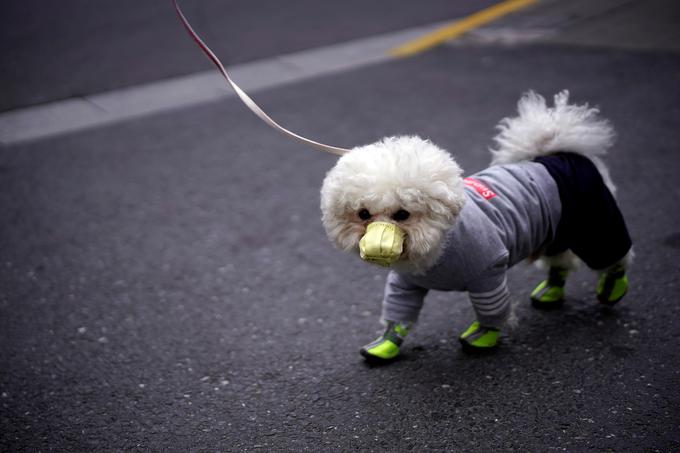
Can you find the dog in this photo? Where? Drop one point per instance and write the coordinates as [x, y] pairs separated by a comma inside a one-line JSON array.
[[403, 203]]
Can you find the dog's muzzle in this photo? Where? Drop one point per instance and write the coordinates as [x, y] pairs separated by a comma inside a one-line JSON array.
[[382, 244]]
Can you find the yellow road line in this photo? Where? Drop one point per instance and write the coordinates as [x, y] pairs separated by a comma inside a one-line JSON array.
[[459, 27]]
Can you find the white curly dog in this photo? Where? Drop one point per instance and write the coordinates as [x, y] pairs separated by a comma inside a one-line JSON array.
[[403, 203]]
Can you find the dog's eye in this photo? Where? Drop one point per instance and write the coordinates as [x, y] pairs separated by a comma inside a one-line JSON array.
[[364, 214], [401, 215]]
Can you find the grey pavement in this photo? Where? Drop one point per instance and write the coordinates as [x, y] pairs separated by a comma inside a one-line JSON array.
[[652, 25], [58, 50], [100, 109], [165, 283]]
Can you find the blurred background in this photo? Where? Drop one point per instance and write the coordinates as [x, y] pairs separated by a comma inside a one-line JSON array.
[[55, 51], [165, 282]]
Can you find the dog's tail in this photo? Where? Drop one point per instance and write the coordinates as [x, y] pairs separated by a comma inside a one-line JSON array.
[[540, 130]]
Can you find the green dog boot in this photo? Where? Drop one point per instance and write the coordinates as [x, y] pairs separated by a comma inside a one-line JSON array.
[[612, 286], [386, 347], [550, 293], [479, 338]]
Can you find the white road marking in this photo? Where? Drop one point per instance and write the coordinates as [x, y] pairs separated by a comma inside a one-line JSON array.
[[77, 114]]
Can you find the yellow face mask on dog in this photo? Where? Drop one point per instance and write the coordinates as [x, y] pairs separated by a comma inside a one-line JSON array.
[[382, 244]]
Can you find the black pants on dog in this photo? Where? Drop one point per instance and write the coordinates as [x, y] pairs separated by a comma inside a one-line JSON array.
[[591, 224]]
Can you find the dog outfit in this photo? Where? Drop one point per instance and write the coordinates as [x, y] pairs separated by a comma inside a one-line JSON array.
[[513, 211]]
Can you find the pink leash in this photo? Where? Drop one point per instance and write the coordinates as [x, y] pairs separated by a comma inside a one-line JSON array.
[[244, 96]]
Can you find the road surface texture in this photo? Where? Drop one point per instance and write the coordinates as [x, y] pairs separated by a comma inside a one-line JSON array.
[[127, 42], [166, 285]]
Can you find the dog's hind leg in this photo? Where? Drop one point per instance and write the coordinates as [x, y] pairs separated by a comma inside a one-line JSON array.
[[550, 292], [613, 282]]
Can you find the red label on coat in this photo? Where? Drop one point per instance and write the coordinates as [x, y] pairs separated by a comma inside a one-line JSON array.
[[481, 189]]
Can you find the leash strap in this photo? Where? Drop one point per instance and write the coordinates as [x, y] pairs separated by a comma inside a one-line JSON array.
[[244, 96]]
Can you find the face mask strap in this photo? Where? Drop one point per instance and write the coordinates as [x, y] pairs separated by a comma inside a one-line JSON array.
[[244, 96]]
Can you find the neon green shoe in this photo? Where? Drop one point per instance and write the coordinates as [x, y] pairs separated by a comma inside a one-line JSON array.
[[479, 338], [612, 286], [550, 293], [386, 347]]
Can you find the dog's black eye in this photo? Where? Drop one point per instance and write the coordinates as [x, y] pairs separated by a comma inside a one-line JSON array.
[[401, 215], [364, 214]]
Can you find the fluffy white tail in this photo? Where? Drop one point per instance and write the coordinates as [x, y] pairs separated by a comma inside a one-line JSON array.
[[540, 130]]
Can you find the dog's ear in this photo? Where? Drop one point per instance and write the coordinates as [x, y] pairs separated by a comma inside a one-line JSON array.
[[448, 197], [445, 181], [455, 200]]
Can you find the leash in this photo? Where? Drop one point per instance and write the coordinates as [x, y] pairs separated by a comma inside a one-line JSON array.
[[244, 96]]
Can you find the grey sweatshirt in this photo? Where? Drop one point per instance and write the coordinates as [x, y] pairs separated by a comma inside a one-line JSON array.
[[511, 211]]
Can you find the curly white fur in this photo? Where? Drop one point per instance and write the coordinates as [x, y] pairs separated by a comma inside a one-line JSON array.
[[395, 173], [541, 130], [413, 174]]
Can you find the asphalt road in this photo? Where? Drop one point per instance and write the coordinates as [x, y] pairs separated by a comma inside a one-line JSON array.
[[70, 48], [166, 284]]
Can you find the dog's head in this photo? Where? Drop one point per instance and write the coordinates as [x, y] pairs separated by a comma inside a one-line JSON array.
[[392, 202]]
